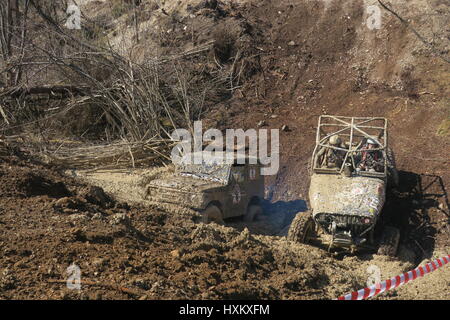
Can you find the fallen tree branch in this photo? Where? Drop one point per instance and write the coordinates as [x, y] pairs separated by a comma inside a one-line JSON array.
[[421, 38]]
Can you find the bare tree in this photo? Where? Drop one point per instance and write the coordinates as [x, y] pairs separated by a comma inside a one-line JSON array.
[[13, 35]]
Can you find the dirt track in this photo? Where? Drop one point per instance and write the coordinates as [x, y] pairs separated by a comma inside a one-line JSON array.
[[336, 66], [162, 255]]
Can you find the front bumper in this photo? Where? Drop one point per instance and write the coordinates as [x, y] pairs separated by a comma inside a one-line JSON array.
[[196, 201], [346, 230]]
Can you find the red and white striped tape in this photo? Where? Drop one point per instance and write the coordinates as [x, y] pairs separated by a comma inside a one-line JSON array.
[[397, 281]]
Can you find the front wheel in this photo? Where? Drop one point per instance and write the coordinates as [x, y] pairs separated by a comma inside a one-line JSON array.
[[302, 228], [212, 214], [389, 241]]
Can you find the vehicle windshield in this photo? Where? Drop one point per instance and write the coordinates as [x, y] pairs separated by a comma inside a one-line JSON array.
[[210, 170]]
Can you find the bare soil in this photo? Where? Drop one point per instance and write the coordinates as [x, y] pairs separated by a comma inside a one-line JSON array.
[[306, 58], [137, 252]]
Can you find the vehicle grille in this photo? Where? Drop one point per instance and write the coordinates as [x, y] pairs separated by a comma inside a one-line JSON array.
[[351, 223]]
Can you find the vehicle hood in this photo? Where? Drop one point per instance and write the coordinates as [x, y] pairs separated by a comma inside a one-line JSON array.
[[337, 194], [180, 190], [184, 184]]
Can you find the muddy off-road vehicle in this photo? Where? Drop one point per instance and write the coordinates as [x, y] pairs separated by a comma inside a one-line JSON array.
[[350, 170], [216, 189]]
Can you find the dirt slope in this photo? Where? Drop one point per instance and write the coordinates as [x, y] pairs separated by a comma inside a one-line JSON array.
[[320, 57]]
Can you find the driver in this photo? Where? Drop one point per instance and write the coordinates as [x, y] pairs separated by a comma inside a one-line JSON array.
[[371, 160], [332, 158]]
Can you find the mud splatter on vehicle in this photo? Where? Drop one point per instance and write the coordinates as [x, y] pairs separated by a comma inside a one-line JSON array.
[[347, 197], [216, 189]]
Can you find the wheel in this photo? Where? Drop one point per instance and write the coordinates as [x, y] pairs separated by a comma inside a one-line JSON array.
[[302, 228], [212, 214], [392, 169], [253, 211], [389, 241]]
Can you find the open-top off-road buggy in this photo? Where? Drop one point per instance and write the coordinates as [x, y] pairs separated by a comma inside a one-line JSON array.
[[350, 169], [218, 189]]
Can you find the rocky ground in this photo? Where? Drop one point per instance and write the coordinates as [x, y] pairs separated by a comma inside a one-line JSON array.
[[301, 59], [125, 251]]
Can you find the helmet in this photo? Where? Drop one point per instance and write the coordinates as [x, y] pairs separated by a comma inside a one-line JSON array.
[[335, 140], [371, 141]]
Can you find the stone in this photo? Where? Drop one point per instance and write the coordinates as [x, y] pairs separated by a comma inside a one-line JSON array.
[[261, 123], [175, 253]]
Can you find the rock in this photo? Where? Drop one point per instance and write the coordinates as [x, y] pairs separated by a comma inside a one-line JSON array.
[[97, 216], [142, 283], [77, 234], [291, 43], [97, 196], [205, 295], [63, 202], [262, 123], [76, 217], [69, 211], [175, 253], [120, 218], [285, 128], [155, 287], [98, 262], [69, 204], [7, 280]]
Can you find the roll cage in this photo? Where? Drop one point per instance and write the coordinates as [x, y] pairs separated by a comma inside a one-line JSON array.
[[354, 131]]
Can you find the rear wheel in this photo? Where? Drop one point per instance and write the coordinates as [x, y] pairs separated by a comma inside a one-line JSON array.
[[302, 228], [389, 241], [253, 212], [212, 214]]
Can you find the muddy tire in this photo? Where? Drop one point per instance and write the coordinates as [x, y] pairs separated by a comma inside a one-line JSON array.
[[302, 228], [212, 214], [253, 212], [392, 168], [389, 242]]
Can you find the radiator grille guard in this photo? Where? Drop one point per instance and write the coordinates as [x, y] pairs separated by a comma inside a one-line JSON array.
[[346, 229]]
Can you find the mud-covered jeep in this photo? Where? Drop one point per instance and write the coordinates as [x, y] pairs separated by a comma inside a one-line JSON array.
[[216, 189], [350, 168]]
